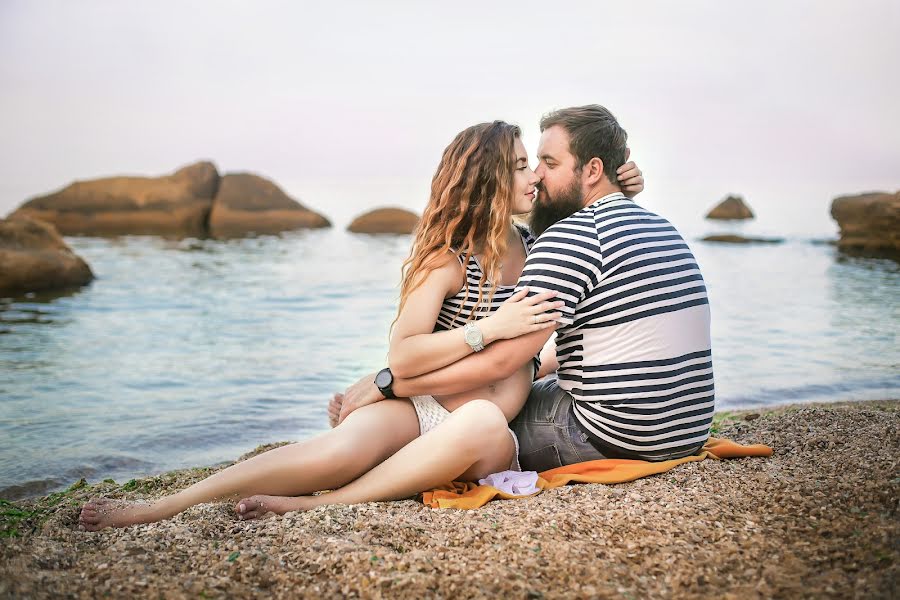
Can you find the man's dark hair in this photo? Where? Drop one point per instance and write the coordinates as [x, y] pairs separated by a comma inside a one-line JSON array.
[[593, 132]]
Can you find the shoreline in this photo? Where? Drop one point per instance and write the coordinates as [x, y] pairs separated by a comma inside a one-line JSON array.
[[818, 518], [58, 487]]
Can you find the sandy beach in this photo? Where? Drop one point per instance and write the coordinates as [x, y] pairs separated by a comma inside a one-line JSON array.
[[817, 519]]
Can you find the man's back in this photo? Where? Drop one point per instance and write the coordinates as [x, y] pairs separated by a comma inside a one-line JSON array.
[[634, 342]]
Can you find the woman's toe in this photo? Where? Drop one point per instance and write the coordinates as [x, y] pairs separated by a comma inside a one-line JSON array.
[[247, 505]]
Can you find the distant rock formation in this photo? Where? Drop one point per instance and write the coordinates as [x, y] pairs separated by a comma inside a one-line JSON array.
[[732, 207], [868, 221], [173, 204], [385, 220], [33, 257], [182, 204], [727, 238], [247, 203]]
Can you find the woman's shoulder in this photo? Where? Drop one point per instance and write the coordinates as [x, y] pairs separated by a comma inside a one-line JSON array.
[[442, 268]]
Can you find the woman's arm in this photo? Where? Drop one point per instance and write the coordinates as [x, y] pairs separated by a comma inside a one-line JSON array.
[[414, 344], [416, 349]]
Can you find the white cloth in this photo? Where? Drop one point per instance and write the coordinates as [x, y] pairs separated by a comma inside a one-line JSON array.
[[431, 413], [517, 483]]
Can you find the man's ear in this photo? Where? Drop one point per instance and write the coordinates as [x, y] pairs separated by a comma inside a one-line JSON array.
[[592, 171], [627, 154]]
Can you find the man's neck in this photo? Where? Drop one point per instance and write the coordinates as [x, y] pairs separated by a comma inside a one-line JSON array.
[[598, 191]]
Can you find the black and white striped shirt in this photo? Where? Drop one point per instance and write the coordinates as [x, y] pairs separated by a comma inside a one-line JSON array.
[[634, 342]]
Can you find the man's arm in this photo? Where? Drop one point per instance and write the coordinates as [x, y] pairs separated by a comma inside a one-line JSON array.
[[498, 361], [549, 364]]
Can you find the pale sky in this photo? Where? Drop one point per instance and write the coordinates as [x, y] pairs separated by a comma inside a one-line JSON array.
[[348, 106]]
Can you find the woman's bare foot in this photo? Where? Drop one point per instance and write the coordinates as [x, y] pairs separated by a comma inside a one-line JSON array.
[[100, 513], [256, 506], [334, 409]]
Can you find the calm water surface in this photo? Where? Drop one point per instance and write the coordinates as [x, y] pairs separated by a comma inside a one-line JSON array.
[[192, 352]]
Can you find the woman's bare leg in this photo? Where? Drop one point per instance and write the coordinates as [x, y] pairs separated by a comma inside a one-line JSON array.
[[366, 437], [472, 443]]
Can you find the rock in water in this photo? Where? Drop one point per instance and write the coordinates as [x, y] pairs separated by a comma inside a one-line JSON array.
[[176, 204], [385, 220], [248, 203], [732, 207], [868, 221], [33, 257], [727, 238]]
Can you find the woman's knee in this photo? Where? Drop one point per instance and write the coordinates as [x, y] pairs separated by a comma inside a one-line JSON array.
[[374, 430], [481, 420]]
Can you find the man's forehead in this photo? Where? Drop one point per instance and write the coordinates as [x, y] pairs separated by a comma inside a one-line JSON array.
[[554, 142]]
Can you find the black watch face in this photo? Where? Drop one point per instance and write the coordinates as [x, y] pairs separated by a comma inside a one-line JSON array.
[[383, 379]]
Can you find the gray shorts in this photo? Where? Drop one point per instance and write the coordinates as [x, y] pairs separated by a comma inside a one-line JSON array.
[[549, 436]]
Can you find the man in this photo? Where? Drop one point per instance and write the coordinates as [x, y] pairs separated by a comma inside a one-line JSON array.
[[634, 376]]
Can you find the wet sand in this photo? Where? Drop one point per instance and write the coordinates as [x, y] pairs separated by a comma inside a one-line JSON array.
[[817, 519]]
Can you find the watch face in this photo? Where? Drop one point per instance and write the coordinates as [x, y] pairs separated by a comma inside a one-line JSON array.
[[473, 336], [384, 378]]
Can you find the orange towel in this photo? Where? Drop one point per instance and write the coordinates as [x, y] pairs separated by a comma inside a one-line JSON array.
[[461, 494]]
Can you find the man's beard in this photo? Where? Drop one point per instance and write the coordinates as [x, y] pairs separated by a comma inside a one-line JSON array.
[[547, 211]]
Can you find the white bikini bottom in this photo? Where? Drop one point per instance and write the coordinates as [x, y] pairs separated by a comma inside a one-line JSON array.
[[431, 413]]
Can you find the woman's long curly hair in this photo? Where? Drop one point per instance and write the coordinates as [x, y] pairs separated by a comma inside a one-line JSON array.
[[469, 210]]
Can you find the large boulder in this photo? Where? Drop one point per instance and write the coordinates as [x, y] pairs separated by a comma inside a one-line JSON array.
[[732, 207], [868, 221], [33, 257], [176, 204], [249, 203], [385, 220]]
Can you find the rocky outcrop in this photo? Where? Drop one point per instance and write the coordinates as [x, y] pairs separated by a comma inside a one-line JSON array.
[[249, 203], [732, 207], [177, 204], [868, 221], [33, 257], [727, 238], [192, 202], [385, 220]]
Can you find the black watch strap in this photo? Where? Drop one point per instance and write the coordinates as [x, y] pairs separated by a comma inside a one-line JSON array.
[[384, 381]]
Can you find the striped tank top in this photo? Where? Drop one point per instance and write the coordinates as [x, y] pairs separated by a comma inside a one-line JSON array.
[[451, 316]]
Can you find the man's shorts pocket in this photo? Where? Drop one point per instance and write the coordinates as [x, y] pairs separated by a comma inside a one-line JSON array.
[[541, 459]]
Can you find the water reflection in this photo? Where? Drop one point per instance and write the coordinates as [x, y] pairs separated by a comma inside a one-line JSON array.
[[870, 257], [43, 297]]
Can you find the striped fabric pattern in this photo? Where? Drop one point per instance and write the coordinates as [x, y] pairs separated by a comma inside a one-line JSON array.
[[448, 317], [634, 343]]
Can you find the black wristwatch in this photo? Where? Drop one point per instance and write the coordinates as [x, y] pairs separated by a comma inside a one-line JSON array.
[[383, 381]]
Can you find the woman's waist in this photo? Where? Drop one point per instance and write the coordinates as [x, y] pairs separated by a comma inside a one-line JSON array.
[[510, 393]]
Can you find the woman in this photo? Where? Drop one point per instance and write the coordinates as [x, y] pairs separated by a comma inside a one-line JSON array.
[[465, 260]]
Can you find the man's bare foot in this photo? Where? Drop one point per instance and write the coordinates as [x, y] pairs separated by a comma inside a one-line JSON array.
[[256, 506], [100, 513], [334, 409]]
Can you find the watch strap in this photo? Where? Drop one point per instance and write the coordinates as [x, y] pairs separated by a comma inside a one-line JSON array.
[[471, 330], [387, 390]]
